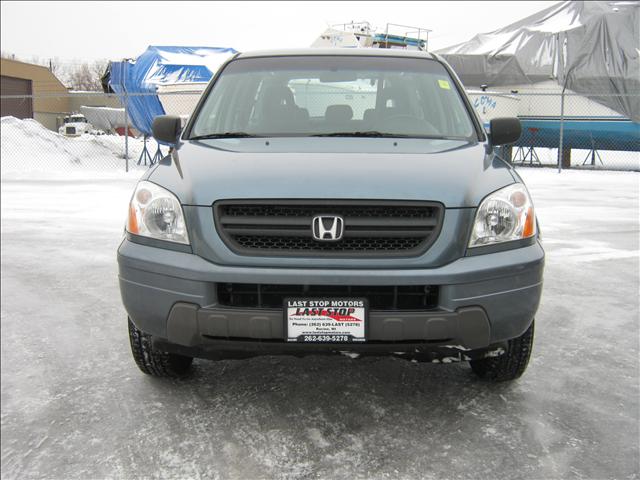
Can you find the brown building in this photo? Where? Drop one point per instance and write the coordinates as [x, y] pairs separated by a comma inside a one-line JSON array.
[[19, 78]]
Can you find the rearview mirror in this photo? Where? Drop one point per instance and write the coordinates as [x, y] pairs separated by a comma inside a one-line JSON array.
[[335, 76], [167, 128], [504, 130]]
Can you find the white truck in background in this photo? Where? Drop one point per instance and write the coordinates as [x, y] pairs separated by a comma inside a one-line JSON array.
[[75, 125]]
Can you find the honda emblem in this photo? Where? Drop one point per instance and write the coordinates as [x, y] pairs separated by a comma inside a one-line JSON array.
[[327, 227]]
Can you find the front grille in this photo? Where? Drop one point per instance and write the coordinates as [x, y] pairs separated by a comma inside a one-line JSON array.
[[404, 297], [70, 130], [284, 227]]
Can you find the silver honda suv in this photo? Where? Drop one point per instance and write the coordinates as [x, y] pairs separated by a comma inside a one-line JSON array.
[[332, 201]]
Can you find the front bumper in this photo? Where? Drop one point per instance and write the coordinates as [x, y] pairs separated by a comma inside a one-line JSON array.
[[484, 300]]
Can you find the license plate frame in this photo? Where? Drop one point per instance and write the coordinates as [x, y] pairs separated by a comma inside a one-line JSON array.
[[323, 325]]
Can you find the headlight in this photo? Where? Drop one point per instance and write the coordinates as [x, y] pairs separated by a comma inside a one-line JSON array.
[[156, 213], [504, 216]]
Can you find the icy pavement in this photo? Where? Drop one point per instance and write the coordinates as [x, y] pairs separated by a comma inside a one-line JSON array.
[[74, 405]]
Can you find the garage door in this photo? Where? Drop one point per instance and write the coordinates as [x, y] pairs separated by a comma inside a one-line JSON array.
[[16, 107]]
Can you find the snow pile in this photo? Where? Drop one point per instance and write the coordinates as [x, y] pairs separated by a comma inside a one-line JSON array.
[[29, 150]]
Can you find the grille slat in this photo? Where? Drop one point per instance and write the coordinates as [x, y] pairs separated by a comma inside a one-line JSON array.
[[303, 245], [304, 232], [245, 220], [268, 232], [404, 297], [283, 227], [351, 221], [387, 222], [394, 233]]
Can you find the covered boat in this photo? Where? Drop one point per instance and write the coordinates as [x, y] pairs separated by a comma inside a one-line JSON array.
[[590, 51], [163, 80]]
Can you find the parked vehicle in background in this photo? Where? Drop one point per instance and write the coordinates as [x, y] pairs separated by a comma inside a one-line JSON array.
[[75, 125], [332, 201]]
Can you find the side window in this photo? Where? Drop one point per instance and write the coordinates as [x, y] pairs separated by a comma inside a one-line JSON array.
[[458, 116], [228, 111], [209, 114]]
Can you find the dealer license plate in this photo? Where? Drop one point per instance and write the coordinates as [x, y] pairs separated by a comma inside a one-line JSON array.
[[325, 320]]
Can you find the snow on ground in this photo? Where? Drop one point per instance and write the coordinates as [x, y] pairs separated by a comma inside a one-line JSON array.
[[32, 151], [588, 204], [74, 404]]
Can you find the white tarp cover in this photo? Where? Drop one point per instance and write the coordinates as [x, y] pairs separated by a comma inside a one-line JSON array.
[[105, 118], [592, 46]]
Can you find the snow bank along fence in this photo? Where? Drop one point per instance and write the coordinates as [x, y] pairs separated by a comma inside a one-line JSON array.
[[563, 131]]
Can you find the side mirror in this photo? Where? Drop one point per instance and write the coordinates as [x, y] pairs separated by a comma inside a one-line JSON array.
[[167, 128], [504, 130]]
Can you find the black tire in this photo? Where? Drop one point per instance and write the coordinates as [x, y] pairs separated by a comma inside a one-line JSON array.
[[154, 362], [511, 364]]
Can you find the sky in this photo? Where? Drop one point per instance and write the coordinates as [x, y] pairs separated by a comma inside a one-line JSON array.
[[86, 31]]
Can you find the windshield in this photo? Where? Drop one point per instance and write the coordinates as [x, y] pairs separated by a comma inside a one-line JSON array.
[[336, 96]]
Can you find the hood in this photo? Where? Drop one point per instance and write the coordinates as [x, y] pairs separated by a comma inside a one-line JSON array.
[[455, 173]]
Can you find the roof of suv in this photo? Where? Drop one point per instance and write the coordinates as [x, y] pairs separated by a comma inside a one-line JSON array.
[[366, 52]]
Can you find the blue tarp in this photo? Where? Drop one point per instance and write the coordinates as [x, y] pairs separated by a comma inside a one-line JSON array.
[[161, 66]]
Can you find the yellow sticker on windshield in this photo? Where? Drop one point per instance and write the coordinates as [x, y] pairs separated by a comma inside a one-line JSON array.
[[444, 84]]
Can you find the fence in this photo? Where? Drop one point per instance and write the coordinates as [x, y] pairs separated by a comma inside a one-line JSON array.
[[574, 131], [592, 134]]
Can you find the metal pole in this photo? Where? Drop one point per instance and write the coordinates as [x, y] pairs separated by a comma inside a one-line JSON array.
[[126, 118], [565, 73], [561, 147], [126, 132]]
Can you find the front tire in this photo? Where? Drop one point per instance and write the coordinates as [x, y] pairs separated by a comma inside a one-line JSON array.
[[152, 361], [511, 364]]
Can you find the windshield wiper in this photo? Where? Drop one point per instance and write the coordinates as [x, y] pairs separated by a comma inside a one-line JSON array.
[[225, 135], [375, 133], [367, 133]]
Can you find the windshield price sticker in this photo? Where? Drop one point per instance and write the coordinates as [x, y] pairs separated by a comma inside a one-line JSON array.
[[325, 320]]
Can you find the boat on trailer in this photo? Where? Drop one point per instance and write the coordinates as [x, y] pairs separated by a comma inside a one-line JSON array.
[[563, 77], [363, 35]]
